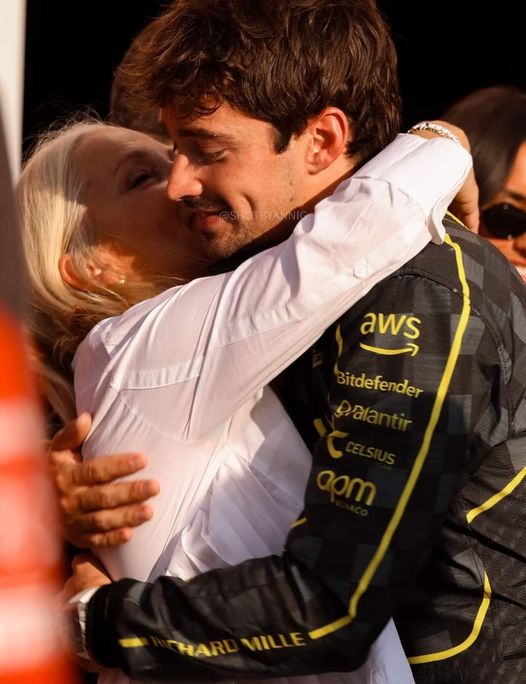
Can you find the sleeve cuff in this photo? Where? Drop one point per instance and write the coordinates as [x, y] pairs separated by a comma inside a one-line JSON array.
[[429, 171], [101, 634]]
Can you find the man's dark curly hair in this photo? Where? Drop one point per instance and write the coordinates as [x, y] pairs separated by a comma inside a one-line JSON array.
[[279, 61]]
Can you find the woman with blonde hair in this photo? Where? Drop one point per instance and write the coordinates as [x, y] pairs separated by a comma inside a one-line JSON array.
[[176, 363]]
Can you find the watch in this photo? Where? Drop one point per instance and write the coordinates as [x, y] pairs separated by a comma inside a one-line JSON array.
[[76, 615]]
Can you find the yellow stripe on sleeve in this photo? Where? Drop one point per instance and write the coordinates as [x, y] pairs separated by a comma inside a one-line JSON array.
[[133, 642], [455, 650], [492, 501]]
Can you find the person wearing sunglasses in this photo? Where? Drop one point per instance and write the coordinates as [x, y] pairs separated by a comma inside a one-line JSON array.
[[495, 122]]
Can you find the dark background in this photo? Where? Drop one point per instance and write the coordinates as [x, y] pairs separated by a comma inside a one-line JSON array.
[[446, 49]]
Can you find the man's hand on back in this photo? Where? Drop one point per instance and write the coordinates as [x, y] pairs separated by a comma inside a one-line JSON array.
[[95, 510]]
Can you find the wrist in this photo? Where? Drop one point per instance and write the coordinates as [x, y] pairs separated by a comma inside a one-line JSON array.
[[103, 631], [432, 129], [75, 623]]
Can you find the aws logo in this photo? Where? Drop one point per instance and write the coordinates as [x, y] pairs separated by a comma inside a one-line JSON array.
[[401, 326]]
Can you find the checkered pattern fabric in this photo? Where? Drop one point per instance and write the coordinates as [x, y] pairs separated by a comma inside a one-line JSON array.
[[415, 505]]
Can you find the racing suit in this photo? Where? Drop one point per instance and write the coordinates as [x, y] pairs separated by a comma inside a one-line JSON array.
[[415, 506]]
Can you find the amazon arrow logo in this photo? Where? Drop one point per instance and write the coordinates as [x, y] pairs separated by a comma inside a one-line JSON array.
[[410, 348]]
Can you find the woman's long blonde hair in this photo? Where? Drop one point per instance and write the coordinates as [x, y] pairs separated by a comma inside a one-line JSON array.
[[54, 222]]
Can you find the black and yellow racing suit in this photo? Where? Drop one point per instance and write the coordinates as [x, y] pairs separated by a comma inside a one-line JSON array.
[[415, 506]]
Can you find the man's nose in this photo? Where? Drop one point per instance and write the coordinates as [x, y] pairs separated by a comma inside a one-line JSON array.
[[183, 180]]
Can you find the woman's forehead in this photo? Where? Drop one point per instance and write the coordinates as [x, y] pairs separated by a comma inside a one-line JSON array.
[[115, 138], [106, 149]]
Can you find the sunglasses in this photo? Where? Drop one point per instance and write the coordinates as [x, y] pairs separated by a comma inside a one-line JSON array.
[[504, 221]]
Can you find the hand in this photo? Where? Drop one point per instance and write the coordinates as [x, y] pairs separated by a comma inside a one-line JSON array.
[[94, 510], [465, 206], [466, 203], [87, 573]]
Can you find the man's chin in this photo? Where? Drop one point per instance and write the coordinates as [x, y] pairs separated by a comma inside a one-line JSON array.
[[221, 240], [229, 241], [219, 246]]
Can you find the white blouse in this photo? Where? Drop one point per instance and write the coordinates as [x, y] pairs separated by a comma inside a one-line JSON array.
[[183, 377]]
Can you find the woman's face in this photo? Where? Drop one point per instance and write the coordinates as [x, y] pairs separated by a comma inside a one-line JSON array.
[[139, 232], [508, 220]]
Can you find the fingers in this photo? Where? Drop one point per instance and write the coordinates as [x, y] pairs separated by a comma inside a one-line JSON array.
[[68, 477], [73, 434], [68, 591], [86, 563], [104, 540], [103, 515], [124, 516], [104, 469], [108, 496], [466, 203], [468, 214], [471, 218], [83, 557], [106, 527], [94, 509]]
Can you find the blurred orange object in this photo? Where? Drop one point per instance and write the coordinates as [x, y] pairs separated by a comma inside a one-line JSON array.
[[30, 560]]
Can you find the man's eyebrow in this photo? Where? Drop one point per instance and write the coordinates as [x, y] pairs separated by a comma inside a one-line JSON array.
[[204, 134]]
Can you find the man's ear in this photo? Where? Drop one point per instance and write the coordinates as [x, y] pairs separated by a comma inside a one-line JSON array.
[[329, 136]]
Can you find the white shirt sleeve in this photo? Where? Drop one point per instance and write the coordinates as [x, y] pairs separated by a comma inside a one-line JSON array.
[[437, 163], [217, 340]]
